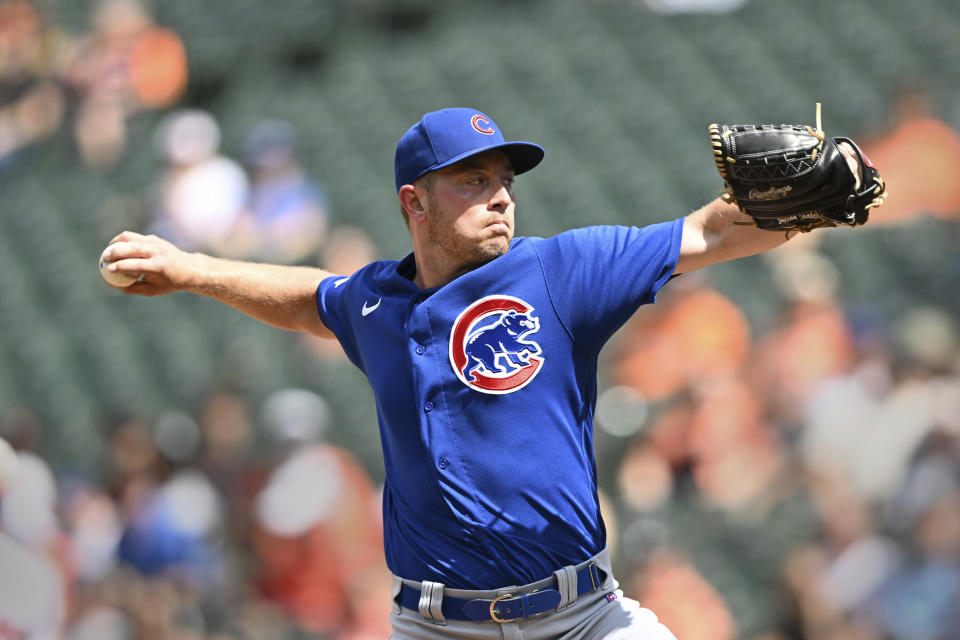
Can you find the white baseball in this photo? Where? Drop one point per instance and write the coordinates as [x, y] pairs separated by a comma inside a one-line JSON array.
[[9, 462], [115, 278]]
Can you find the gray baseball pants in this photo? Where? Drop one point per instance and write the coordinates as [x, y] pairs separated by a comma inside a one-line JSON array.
[[604, 614]]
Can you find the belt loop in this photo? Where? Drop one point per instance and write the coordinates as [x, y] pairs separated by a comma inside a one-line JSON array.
[[431, 602], [396, 584], [566, 585]]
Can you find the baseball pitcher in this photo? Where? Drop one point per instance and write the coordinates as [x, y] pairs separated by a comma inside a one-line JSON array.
[[481, 349]]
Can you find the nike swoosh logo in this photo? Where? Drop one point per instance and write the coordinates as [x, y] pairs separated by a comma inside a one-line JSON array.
[[368, 310], [339, 282]]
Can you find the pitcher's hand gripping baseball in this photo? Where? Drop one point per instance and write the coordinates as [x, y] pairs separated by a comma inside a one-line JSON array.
[[793, 177], [146, 265]]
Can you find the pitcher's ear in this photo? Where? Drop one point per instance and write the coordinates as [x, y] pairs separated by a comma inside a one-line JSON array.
[[412, 202]]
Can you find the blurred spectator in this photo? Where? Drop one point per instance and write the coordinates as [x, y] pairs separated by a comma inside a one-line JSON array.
[[31, 505], [922, 599], [317, 535], [227, 433], [811, 342], [93, 522], [228, 458], [31, 100], [348, 248], [31, 593], [102, 622], [21, 428], [919, 158], [669, 434], [831, 580], [727, 436], [171, 516], [691, 334], [933, 476], [714, 435], [150, 557], [926, 337], [287, 212], [644, 479], [202, 194], [173, 531], [683, 600], [32, 587], [866, 426], [801, 273], [125, 64], [129, 606]]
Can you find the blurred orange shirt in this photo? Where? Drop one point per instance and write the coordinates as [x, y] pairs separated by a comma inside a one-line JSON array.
[[700, 334], [158, 68], [919, 161], [683, 600]]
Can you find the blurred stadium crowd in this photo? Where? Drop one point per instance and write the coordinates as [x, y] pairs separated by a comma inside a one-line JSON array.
[[778, 440]]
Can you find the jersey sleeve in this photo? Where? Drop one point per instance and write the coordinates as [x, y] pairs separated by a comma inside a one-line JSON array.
[[332, 296], [598, 276]]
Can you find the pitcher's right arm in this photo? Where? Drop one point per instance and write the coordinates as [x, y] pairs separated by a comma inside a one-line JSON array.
[[279, 295]]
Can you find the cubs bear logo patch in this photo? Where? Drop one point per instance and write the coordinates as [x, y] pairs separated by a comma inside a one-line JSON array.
[[490, 346]]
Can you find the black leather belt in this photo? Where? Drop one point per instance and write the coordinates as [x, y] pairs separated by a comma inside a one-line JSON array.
[[508, 606]]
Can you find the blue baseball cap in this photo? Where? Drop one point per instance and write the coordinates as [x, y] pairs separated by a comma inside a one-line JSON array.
[[444, 137]]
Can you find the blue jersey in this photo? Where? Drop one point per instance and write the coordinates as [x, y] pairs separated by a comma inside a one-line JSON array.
[[485, 391]]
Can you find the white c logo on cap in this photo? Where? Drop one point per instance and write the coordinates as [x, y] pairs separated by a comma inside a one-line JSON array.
[[481, 124]]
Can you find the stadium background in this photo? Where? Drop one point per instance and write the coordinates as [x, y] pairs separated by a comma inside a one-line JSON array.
[[620, 94]]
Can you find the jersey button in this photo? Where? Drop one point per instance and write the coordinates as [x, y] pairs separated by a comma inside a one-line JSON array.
[[420, 349], [443, 463], [428, 406]]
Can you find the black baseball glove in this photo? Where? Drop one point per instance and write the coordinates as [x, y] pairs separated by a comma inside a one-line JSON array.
[[792, 177]]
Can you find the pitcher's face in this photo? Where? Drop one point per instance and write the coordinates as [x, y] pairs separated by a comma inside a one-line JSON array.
[[470, 208]]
